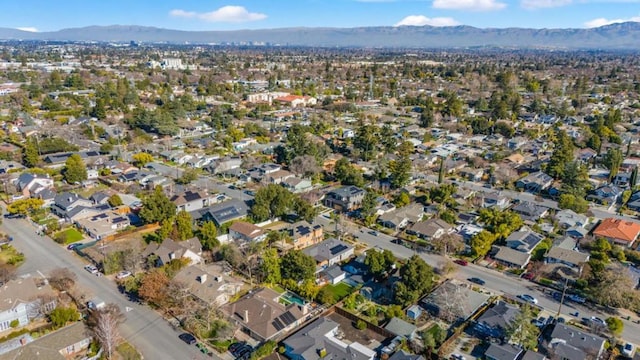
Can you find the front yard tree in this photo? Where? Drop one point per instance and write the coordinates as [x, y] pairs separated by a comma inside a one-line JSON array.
[[379, 262], [106, 331], [400, 171], [153, 287], [30, 156], [157, 207], [272, 201], [615, 325], [142, 159], [271, 266], [521, 331], [115, 200], [74, 170], [25, 206], [184, 225], [298, 266], [612, 160], [417, 278], [208, 235], [481, 243]]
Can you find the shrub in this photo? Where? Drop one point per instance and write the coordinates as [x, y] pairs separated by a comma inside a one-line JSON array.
[[361, 325], [14, 323]]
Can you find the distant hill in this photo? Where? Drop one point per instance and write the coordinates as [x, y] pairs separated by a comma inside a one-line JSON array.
[[616, 36]]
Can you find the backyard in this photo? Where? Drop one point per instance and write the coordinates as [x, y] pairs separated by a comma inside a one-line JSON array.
[[340, 290]]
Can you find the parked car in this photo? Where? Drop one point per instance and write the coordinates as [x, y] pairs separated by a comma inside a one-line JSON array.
[[188, 338], [541, 322], [528, 298], [576, 298], [598, 321], [373, 232], [529, 276], [476, 280], [628, 349], [461, 262], [235, 346], [73, 246], [92, 269], [458, 357], [123, 274]]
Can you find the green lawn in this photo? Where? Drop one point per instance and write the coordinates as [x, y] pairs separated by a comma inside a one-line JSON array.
[[340, 290], [9, 255], [71, 235], [128, 352]]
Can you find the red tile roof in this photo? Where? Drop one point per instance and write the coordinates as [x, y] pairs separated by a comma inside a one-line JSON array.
[[619, 229]]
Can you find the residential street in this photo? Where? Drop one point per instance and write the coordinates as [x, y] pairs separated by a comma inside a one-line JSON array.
[[143, 327], [496, 282]]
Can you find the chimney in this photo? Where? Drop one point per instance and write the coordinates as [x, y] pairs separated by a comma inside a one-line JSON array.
[[202, 278], [246, 316], [23, 341], [172, 256]]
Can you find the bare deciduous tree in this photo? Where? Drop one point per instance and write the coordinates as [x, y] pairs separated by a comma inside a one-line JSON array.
[[304, 165], [7, 273], [105, 328], [62, 279]]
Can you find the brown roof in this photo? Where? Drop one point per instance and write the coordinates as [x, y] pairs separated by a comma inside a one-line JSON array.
[[246, 229], [261, 312], [570, 256], [50, 346], [618, 229], [21, 290]]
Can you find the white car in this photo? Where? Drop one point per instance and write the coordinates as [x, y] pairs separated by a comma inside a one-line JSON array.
[[628, 349], [92, 269], [528, 298], [123, 274]]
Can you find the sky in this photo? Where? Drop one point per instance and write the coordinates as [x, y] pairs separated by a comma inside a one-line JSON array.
[[48, 15]]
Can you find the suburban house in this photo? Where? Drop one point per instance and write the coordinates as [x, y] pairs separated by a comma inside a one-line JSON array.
[[223, 165], [303, 234], [568, 342], [571, 258], [63, 344], [322, 340], [31, 184], [103, 224], [346, 198], [223, 212], [606, 195], [24, 299], [618, 231], [509, 257], [568, 218], [246, 232], [401, 217], [209, 284], [329, 252], [494, 200], [331, 275], [65, 205], [535, 182], [192, 200], [296, 184], [524, 240], [401, 328], [430, 229], [453, 301], [503, 352], [529, 211], [171, 250], [262, 316], [494, 321]]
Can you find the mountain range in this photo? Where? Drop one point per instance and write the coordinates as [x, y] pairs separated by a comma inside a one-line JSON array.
[[616, 36]]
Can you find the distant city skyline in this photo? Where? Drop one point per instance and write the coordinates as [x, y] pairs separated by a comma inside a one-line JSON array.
[[45, 15]]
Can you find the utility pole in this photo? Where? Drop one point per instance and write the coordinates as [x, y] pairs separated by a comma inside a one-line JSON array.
[[564, 291]]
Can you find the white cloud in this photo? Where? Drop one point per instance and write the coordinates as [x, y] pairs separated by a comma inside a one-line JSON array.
[[538, 4], [472, 5], [28, 28], [227, 13], [602, 21], [421, 20]]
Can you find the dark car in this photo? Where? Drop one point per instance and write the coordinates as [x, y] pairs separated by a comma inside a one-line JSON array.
[[188, 338], [73, 246], [529, 276], [476, 280], [244, 351], [236, 346], [461, 262]]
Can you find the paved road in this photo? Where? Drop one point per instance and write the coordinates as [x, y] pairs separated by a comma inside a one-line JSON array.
[[496, 282], [143, 327]]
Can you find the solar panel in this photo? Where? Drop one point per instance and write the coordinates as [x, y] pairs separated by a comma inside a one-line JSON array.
[[278, 324], [288, 318], [337, 249]]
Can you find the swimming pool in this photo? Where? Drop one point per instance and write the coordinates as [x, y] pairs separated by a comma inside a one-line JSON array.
[[290, 298]]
